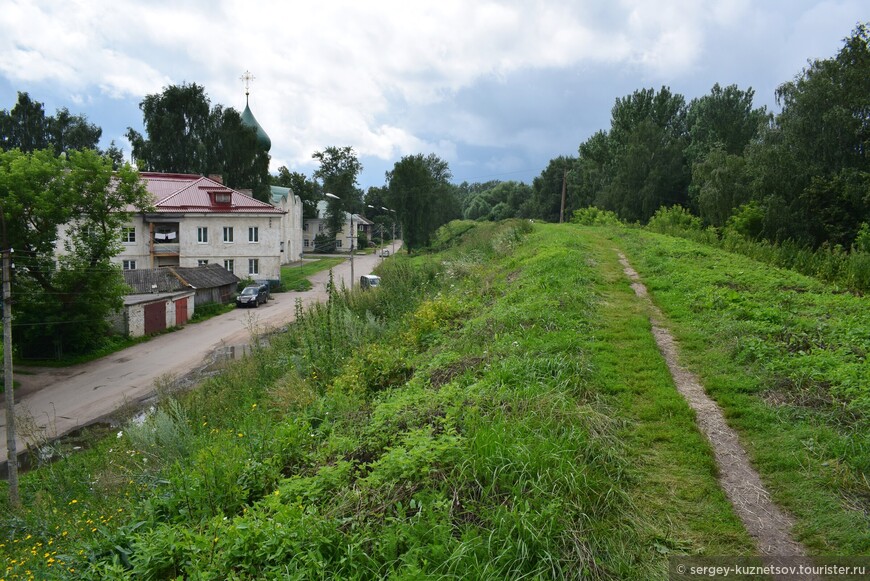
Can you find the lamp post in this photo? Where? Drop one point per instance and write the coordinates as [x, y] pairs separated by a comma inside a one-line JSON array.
[[334, 197], [394, 227]]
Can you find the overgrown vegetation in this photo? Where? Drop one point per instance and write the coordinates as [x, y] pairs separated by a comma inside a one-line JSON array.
[[830, 263], [496, 410]]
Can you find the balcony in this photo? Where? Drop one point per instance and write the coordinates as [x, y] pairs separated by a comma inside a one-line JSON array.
[[166, 248]]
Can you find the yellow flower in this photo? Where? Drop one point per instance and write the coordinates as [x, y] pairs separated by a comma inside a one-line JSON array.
[[241, 435], [73, 501]]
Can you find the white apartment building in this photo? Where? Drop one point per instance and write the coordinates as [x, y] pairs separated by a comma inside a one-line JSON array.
[[197, 221]]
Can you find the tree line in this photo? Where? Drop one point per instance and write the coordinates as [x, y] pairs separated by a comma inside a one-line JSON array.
[[801, 175]]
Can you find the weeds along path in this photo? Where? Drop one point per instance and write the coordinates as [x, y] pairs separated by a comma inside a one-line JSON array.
[[764, 520]]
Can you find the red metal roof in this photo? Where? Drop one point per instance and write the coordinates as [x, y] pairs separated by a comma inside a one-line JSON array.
[[194, 193]]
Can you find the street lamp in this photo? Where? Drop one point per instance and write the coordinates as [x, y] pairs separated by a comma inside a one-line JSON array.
[[334, 197], [394, 227]]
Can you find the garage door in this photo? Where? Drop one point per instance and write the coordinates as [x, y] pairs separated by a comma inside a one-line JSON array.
[[181, 312], [155, 317]]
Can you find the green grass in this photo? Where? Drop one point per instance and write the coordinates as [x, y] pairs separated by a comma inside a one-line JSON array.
[[675, 471], [497, 410], [295, 277], [786, 358]]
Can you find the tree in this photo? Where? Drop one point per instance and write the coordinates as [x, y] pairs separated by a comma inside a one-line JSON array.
[[307, 190], [184, 134], [648, 137], [62, 303], [547, 189], [27, 128], [338, 172], [418, 189], [720, 182], [723, 120], [811, 170], [504, 200]]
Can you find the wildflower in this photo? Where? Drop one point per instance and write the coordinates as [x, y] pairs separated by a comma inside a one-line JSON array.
[[121, 433], [241, 435], [253, 407], [73, 501]]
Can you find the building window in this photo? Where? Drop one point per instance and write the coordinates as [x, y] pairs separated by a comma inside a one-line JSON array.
[[201, 262], [222, 198], [305, 243], [320, 227], [228, 233], [202, 234], [229, 264], [128, 235], [128, 265], [305, 226], [253, 266], [338, 243], [253, 234], [282, 246]]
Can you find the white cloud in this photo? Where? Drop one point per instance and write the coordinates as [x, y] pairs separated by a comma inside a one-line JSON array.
[[367, 74]]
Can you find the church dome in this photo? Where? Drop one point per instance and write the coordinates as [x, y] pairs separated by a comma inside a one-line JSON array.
[[249, 120]]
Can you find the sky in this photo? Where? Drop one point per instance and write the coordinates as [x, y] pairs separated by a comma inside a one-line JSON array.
[[495, 88]]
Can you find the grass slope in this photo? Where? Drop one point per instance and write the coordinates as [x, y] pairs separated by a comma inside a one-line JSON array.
[[786, 357], [496, 410]]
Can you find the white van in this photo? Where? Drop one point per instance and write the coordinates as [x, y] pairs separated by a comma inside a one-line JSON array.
[[369, 281]]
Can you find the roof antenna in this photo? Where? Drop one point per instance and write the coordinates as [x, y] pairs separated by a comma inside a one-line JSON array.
[[247, 77]]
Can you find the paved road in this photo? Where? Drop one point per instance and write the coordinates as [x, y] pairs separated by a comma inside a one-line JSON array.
[[52, 402]]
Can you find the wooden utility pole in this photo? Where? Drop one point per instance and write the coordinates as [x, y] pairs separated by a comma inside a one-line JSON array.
[[8, 379], [564, 188]]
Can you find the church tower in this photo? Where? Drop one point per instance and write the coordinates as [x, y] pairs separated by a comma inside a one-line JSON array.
[[249, 119]]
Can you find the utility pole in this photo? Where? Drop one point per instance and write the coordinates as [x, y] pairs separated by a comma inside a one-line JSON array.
[[352, 236], [8, 379], [564, 188]]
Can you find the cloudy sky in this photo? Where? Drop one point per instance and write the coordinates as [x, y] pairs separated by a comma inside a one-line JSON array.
[[496, 88]]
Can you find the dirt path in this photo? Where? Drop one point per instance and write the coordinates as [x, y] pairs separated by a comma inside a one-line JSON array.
[[764, 520]]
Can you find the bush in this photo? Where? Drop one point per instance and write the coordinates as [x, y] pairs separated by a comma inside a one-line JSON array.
[[862, 240], [747, 220], [674, 220], [593, 216]]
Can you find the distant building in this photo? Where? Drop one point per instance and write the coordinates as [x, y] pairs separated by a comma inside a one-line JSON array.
[[315, 226]]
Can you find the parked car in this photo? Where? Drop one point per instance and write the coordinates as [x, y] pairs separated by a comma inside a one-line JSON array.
[[367, 281], [384, 253], [253, 295]]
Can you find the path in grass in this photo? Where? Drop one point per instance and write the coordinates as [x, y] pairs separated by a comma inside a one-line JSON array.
[[764, 520]]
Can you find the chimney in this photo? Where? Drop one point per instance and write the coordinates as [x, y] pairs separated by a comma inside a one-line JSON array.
[[216, 177]]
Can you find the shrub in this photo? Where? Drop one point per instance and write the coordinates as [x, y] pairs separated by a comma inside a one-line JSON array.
[[674, 220], [862, 240], [373, 368], [747, 220], [593, 216]]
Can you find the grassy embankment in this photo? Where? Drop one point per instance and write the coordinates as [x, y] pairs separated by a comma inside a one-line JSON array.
[[494, 411], [786, 357]]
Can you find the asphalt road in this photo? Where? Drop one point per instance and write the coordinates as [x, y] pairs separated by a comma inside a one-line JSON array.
[[52, 402]]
